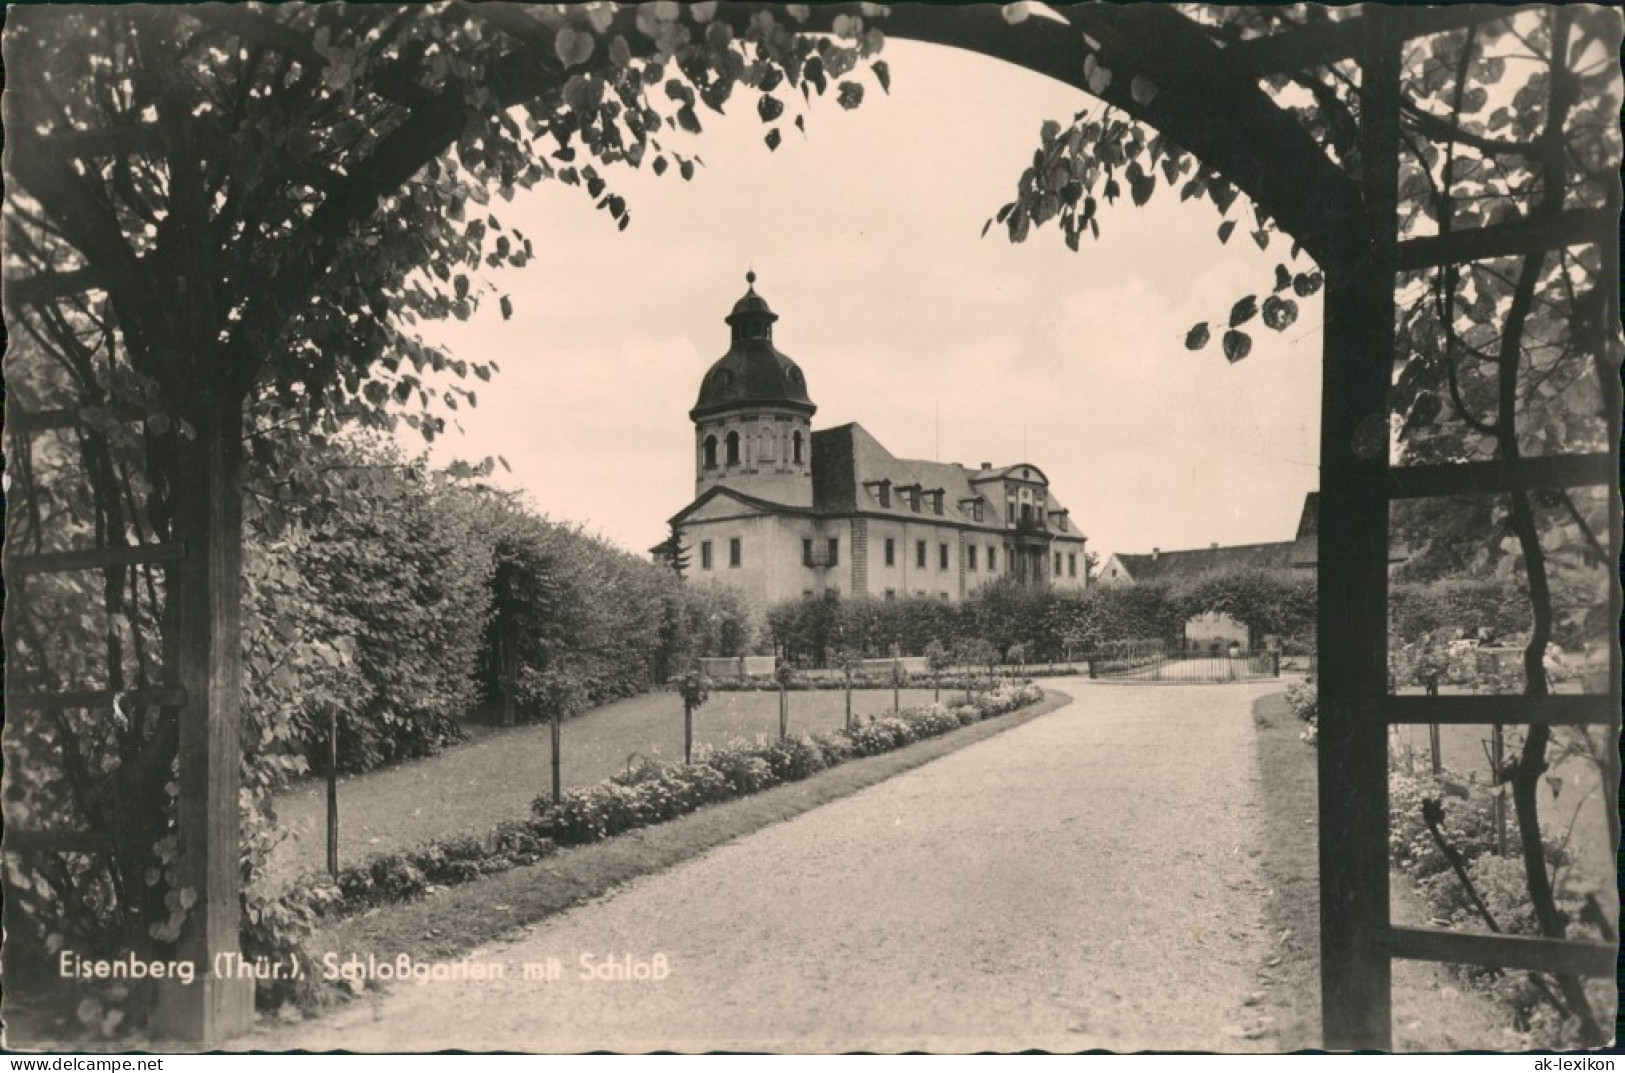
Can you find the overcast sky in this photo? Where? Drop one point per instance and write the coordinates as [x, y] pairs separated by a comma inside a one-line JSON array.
[[865, 238]]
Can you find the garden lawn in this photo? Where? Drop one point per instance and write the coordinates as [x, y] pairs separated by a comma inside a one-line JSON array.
[[472, 787], [1433, 1010]]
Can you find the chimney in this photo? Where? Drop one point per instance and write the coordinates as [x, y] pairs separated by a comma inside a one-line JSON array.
[[1154, 553], [987, 465], [1214, 546]]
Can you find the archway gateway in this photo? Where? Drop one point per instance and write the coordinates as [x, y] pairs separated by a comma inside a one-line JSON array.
[[1217, 86]]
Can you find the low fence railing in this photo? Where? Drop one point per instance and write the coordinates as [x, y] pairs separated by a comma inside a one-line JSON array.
[[1149, 665]]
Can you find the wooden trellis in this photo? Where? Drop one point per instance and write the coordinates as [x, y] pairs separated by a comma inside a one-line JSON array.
[[1211, 103]]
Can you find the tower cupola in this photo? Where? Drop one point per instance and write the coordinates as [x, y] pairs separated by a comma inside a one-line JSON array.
[[752, 419]]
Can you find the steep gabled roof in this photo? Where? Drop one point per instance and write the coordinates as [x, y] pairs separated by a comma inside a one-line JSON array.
[[1306, 548], [847, 461]]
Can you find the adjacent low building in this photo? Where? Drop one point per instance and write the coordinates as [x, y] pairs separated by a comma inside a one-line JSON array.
[[1215, 631], [782, 511]]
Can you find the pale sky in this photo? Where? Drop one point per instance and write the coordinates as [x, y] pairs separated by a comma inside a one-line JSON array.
[[865, 237]]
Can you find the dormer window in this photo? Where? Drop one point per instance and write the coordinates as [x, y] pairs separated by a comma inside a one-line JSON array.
[[936, 500], [881, 490]]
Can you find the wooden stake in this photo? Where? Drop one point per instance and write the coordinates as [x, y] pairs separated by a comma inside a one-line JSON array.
[[333, 791], [557, 720]]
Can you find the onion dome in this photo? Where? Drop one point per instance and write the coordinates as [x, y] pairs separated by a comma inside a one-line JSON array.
[[752, 373]]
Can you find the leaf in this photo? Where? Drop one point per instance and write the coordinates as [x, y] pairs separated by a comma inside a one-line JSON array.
[[1197, 337], [573, 46], [1237, 345], [1099, 79], [1306, 283], [507, 313], [1279, 313], [851, 95], [882, 74], [1225, 229], [1016, 13], [1262, 239], [1243, 311], [1283, 278], [1141, 186], [773, 138], [1142, 89], [769, 108]]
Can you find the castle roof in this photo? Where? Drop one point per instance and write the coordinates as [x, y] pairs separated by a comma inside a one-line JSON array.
[[849, 464]]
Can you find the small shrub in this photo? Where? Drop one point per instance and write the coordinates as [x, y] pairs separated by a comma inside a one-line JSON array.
[[793, 759]]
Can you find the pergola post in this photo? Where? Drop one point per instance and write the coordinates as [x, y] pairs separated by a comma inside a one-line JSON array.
[[208, 593], [1353, 578]]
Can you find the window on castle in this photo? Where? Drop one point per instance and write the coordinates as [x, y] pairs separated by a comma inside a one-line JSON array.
[[1057, 564], [970, 557], [1010, 511], [992, 557], [919, 554], [734, 551], [891, 551], [806, 552], [710, 452], [942, 556], [1071, 564], [891, 595], [733, 448], [705, 555], [834, 551], [795, 446]]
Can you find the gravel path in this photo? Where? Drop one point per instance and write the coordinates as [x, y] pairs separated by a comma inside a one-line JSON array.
[[1086, 880]]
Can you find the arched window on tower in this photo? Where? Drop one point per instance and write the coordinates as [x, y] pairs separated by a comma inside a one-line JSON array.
[[710, 452], [733, 448], [795, 446]]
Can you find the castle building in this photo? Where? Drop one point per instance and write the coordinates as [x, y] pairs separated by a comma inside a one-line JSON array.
[[782, 511]]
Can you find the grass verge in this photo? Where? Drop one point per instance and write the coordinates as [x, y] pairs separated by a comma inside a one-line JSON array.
[[455, 920], [1431, 1011], [495, 776]]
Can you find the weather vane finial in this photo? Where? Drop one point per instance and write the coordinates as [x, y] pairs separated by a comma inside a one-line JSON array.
[[750, 278]]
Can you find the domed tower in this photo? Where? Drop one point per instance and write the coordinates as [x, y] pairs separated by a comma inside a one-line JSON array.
[[752, 424]]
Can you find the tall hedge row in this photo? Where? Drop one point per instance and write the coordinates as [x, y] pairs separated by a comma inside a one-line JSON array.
[[397, 602]]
